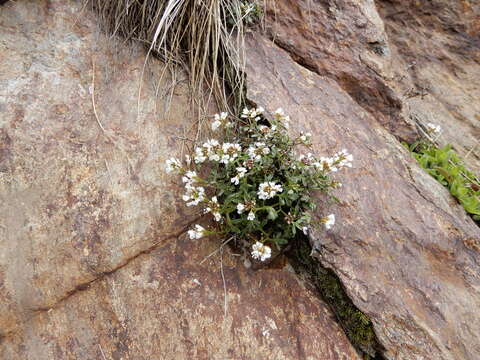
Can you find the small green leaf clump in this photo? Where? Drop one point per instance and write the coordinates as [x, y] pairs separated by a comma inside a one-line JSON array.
[[447, 167], [258, 186]]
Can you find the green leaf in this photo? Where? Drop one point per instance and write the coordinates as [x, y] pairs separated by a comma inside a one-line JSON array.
[[272, 213]]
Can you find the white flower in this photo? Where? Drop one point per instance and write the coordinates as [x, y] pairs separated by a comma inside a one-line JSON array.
[[241, 171], [209, 149], [213, 208], [230, 152], [329, 221], [267, 132], [196, 233], [257, 150], [343, 158], [216, 124], [172, 164], [253, 114], [307, 159], [251, 216], [214, 157], [220, 120], [188, 159], [200, 155], [335, 163], [240, 208], [280, 116], [305, 137], [433, 129], [194, 195], [261, 252], [268, 190], [326, 164], [189, 178], [305, 230], [211, 145]]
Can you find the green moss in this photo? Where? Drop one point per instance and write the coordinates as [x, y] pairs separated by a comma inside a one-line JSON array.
[[357, 325]]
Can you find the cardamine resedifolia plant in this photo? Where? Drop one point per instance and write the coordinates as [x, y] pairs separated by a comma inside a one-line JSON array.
[[258, 187]]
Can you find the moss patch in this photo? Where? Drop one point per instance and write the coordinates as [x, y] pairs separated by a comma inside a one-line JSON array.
[[357, 325]]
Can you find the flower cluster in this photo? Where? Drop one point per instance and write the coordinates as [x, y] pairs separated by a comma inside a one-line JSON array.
[[212, 150], [256, 188], [221, 120], [257, 150], [332, 164], [197, 232], [268, 190], [260, 251]]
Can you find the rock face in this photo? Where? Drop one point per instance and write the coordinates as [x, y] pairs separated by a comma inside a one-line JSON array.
[[403, 61], [94, 262], [435, 50], [404, 249]]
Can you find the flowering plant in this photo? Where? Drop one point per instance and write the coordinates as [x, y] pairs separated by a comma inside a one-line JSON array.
[[257, 189]]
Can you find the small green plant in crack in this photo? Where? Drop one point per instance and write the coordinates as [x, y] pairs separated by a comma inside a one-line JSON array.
[[448, 169], [357, 325], [258, 190]]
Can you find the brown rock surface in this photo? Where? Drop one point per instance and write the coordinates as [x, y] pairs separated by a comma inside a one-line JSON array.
[[77, 201], [403, 61], [94, 263], [402, 245], [164, 305], [436, 53]]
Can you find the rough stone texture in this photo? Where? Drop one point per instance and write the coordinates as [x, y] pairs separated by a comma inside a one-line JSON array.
[[404, 249], [164, 305], [403, 61], [436, 57], [93, 260], [76, 201]]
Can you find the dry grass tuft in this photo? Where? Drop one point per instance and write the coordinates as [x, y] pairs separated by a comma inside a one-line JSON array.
[[194, 34]]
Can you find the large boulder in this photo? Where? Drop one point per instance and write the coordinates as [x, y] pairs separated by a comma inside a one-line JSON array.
[[94, 261], [406, 252], [405, 62], [435, 49]]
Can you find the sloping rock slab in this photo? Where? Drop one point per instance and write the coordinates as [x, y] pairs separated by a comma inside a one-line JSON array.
[[93, 260], [165, 305], [404, 249], [79, 194]]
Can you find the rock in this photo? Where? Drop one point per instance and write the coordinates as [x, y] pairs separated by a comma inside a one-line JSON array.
[[165, 305], [403, 61], [402, 246], [77, 201], [94, 262], [346, 41], [436, 47]]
